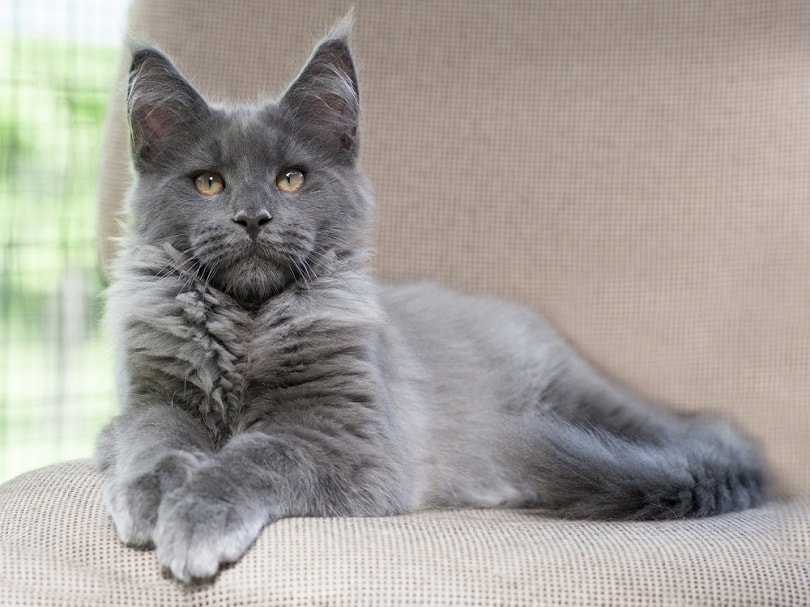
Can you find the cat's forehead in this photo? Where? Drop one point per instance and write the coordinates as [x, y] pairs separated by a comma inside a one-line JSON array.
[[255, 130], [251, 122]]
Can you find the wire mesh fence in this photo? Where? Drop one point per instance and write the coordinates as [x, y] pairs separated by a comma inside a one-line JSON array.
[[57, 63]]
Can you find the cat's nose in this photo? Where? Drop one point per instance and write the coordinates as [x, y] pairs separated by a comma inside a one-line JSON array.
[[253, 223]]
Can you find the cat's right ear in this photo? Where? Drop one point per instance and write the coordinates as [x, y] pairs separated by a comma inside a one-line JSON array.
[[163, 108]]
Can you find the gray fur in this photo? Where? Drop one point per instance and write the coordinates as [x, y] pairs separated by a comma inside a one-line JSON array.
[[264, 373]]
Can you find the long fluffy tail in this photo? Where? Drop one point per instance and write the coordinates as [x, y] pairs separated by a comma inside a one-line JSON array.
[[702, 468]]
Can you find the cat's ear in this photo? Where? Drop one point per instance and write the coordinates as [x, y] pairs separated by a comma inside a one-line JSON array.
[[163, 108], [324, 99]]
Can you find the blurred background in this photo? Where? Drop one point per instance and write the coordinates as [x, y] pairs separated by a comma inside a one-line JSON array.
[[57, 65]]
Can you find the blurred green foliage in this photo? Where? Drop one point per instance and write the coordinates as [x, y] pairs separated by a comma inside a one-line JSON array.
[[55, 365]]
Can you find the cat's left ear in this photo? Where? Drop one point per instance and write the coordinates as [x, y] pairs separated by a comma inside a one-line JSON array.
[[324, 99]]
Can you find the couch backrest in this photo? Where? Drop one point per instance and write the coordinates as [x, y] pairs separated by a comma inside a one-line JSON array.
[[636, 170]]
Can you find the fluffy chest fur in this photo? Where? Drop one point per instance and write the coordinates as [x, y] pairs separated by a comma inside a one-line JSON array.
[[193, 346]]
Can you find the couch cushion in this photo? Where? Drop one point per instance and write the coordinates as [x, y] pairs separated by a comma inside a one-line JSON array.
[[57, 547]]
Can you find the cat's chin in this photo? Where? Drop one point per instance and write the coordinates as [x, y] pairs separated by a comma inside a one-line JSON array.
[[251, 283], [250, 275], [252, 286]]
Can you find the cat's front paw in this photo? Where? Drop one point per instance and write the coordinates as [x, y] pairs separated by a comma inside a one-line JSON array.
[[133, 502], [202, 526]]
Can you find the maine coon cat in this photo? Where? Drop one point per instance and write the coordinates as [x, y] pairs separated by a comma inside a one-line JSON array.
[[265, 374]]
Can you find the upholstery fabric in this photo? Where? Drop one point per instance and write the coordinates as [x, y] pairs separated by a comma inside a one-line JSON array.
[[57, 547], [636, 170]]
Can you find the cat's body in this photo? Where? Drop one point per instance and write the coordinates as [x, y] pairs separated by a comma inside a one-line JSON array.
[[265, 374]]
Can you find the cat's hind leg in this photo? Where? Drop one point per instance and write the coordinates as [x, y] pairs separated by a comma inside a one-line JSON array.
[[597, 452]]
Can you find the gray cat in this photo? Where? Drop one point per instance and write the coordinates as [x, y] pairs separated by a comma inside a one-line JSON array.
[[265, 374]]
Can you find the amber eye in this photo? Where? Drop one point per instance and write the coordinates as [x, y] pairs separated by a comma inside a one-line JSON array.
[[208, 183], [290, 180]]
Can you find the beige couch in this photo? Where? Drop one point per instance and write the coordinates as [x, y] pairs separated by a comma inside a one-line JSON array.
[[639, 171]]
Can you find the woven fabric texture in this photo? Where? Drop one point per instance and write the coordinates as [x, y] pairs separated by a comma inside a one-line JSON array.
[[57, 547]]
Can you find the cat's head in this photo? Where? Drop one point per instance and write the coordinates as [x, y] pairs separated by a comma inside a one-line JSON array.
[[254, 196]]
